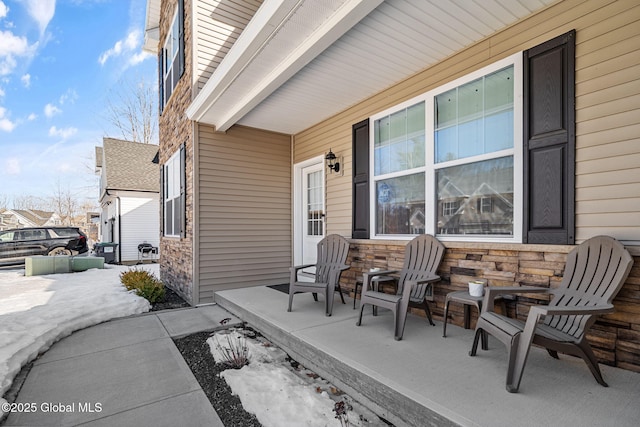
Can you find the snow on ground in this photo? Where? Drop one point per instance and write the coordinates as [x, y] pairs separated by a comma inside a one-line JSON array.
[[37, 311], [276, 393]]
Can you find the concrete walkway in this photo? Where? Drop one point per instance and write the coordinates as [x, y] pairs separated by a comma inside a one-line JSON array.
[[125, 372], [128, 372]]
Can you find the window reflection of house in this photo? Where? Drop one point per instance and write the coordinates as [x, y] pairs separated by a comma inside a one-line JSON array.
[[417, 221], [486, 211], [450, 208]]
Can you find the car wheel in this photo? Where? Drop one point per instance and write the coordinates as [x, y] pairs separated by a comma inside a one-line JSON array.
[[59, 251]]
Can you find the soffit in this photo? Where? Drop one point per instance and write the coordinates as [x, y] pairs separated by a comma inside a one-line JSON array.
[[152, 26], [324, 56]]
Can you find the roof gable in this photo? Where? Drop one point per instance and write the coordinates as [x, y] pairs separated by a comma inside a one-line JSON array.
[[129, 166]]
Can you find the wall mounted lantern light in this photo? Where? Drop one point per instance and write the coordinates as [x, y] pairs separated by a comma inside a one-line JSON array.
[[331, 161]]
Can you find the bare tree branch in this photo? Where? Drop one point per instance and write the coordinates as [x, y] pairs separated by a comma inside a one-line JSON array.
[[131, 108]]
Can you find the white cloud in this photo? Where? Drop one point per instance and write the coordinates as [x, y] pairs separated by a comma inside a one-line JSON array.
[[10, 47], [114, 51], [133, 39], [6, 125], [127, 45], [11, 44], [1, 92], [26, 80], [64, 168], [32, 117], [42, 12], [3, 9], [51, 110], [70, 96], [139, 57], [12, 166], [62, 133]]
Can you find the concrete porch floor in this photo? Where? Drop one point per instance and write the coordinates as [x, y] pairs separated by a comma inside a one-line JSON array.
[[428, 380]]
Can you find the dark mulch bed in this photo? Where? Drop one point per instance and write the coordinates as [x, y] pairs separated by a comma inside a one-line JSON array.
[[196, 353], [171, 300]]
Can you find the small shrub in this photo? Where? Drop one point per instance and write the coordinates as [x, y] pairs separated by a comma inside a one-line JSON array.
[[342, 409], [235, 353], [144, 283]]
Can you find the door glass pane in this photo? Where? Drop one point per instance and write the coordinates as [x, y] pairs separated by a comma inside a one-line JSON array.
[[315, 204], [476, 198], [400, 205]]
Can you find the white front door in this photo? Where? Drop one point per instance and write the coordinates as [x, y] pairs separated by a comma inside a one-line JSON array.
[[308, 210]]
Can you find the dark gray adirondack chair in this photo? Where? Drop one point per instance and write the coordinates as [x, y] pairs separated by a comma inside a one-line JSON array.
[[421, 260], [594, 273], [330, 263]]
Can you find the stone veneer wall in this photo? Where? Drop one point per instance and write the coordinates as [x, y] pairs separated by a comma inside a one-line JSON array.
[[176, 254], [615, 338]]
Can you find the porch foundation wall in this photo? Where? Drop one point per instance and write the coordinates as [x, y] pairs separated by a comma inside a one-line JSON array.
[[615, 338]]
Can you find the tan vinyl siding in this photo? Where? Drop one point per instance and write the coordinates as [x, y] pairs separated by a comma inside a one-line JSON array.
[[607, 111], [216, 36], [244, 209], [608, 124]]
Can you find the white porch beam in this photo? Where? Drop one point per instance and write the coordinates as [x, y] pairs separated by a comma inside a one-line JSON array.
[[261, 29]]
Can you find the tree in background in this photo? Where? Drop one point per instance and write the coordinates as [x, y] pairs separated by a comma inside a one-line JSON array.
[[64, 203], [4, 202], [132, 110], [72, 210], [27, 201]]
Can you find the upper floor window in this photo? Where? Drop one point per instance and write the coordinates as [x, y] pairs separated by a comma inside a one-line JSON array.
[[170, 55], [171, 65], [453, 155]]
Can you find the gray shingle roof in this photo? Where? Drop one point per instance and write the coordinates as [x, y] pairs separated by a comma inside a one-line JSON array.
[[37, 217], [128, 165]]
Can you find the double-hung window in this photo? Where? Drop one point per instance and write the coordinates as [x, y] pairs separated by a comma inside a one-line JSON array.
[[170, 57], [449, 162], [172, 200]]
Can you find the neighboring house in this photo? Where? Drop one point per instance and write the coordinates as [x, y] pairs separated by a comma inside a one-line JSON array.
[[531, 109], [129, 196], [21, 218], [6, 221]]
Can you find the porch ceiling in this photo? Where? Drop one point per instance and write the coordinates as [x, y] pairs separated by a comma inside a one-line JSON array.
[[299, 62]]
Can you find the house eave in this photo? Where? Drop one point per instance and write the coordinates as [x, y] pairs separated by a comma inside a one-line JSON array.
[[152, 27], [217, 106]]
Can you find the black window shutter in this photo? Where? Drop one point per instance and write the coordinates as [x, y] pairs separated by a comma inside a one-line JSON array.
[[161, 80], [549, 142], [183, 192], [360, 153], [180, 38]]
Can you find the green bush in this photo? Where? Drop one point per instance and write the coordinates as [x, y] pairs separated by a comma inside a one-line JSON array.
[[145, 284]]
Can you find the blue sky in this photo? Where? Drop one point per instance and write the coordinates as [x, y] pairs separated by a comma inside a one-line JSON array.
[[59, 63]]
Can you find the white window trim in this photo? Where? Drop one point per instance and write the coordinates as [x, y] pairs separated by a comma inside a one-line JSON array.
[[429, 169], [174, 160]]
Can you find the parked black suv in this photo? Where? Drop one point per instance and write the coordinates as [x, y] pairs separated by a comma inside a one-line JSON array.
[[18, 243]]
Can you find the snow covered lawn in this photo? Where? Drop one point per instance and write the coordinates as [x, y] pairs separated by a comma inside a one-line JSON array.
[[37, 311]]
